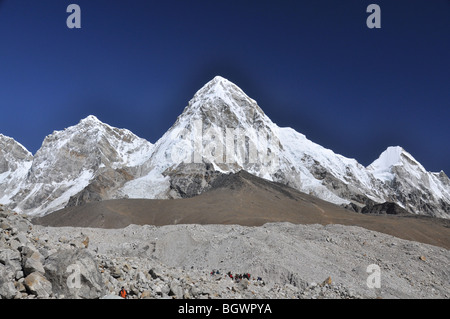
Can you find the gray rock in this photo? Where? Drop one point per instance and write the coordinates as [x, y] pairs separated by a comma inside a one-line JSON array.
[[157, 289], [188, 180], [115, 272], [36, 284], [74, 274], [175, 290], [5, 225], [11, 259], [23, 225], [140, 277], [14, 244], [19, 274], [7, 288], [32, 261], [155, 273], [165, 289], [193, 291]]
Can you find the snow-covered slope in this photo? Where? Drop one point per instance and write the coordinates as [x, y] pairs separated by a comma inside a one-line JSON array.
[[406, 182], [328, 175], [221, 130], [15, 162], [221, 127], [69, 160]]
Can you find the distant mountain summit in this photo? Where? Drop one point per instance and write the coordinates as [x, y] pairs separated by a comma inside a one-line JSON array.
[[220, 131], [70, 160], [406, 181]]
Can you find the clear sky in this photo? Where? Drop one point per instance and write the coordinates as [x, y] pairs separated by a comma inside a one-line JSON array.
[[312, 65]]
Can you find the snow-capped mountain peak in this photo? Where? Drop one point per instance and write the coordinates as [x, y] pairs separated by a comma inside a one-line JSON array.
[[406, 182], [390, 157], [218, 87], [394, 156], [222, 102], [70, 159], [91, 119], [17, 146]]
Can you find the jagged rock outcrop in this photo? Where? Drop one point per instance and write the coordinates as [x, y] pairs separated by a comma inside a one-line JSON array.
[[105, 183], [189, 180], [384, 208]]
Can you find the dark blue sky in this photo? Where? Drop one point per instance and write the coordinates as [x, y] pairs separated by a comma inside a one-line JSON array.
[[310, 65]]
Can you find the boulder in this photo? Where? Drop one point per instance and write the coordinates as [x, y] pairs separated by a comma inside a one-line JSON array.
[[175, 290], [115, 272], [33, 264], [155, 273], [11, 259], [36, 284], [74, 274], [5, 225], [22, 239], [7, 288], [23, 225]]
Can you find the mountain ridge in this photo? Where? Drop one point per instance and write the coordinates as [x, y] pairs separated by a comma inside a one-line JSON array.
[[221, 130]]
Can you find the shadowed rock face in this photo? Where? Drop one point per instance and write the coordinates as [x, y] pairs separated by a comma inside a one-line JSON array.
[[189, 180], [101, 186], [385, 208]]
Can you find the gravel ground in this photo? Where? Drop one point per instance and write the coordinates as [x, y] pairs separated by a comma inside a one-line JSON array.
[[293, 261]]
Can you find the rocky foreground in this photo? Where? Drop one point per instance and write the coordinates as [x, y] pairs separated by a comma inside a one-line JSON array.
[[192, 261]]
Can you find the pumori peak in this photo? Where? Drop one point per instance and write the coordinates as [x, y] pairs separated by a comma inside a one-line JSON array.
[[91, 119], [222, 102]]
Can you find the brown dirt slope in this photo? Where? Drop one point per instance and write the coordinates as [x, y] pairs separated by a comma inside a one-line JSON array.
[[249, 201]]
